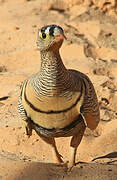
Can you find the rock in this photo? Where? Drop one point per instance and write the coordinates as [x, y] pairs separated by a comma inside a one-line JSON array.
[[16, 28], [113, 102], [112, 12], [99, 80], [108, 28], [77, 11], [1, 104], [88, 2], [90, 30], [113, 69], [89, 51], [3, 69], [59, 4], [105, 5], [86, 28], [106, 53], [104, 102], [74, 58], [104, 115], [110, 85], [72, 51], [71, 3], [101, 70]]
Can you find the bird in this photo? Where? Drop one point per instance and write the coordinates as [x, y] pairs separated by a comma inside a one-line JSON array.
[[56, 101]]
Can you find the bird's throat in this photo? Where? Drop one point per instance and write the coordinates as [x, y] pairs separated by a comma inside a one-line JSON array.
[[52, 67]]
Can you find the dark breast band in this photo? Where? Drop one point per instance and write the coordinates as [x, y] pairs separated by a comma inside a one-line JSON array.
[[67, 131], [51, 111]]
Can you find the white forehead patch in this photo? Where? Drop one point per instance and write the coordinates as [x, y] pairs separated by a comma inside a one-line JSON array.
[[57, 31], [47, 30], [39, 33]]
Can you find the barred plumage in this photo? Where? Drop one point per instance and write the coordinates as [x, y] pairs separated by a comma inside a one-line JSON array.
[[57, 102]]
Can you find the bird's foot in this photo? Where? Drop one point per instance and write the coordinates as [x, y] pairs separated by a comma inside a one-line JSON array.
[[70, 166]]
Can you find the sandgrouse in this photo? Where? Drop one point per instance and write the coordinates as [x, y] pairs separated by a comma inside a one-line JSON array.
[[56, 101]]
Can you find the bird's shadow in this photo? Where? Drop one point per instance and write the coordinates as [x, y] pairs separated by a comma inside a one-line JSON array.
[[110, 155]]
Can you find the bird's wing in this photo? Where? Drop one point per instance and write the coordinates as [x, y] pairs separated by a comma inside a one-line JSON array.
[[90, 106]]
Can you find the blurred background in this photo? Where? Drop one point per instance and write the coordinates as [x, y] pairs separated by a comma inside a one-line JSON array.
[[91, 47]]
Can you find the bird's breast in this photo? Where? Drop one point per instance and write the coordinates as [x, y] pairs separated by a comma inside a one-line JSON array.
[[54, 110]]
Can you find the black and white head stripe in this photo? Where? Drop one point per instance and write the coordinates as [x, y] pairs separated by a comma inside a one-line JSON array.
[[52, 30]]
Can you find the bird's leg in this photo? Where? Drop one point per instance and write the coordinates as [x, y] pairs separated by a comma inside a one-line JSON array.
[[75, 141], [51, 141], [27, 127], [22, 115]]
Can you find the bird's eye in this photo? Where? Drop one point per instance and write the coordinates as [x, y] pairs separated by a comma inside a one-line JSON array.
[[44, 35]]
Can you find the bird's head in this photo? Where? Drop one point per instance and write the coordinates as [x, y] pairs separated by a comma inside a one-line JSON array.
[[50, 38]]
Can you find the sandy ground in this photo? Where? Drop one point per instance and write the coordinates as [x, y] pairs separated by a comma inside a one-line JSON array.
[[91, 47]]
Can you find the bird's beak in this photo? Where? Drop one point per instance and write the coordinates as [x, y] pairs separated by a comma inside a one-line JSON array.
[[61, 37]]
